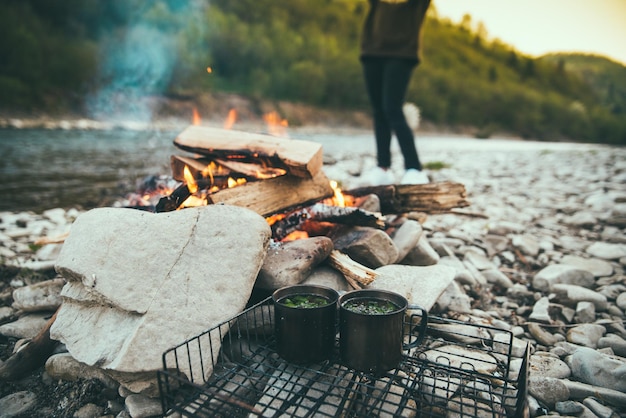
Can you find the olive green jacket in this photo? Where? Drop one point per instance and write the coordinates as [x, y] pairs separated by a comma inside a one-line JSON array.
[[393, 29]]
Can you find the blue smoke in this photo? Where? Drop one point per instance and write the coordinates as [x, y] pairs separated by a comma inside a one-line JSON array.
[[137, 62]]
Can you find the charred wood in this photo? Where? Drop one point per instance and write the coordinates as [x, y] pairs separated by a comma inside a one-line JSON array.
[[174, 200], [326, 213]]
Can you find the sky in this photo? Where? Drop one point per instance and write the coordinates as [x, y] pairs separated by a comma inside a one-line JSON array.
[[537, 27]]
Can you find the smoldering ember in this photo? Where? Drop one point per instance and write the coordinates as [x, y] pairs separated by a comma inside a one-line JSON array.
[[515, 249]]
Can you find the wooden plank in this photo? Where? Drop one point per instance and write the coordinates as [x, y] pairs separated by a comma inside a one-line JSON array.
[[268, 197], [300, 158]]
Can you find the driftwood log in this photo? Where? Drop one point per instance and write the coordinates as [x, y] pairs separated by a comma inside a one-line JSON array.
[[430, 198], [30, 357]]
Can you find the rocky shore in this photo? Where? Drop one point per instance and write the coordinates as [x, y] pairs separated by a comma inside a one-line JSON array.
[[540, 252]]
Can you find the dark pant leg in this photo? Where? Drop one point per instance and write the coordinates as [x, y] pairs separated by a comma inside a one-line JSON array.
[[373, 72], [397, 75]]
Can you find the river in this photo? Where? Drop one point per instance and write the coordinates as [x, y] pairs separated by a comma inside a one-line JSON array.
[[45, 169]]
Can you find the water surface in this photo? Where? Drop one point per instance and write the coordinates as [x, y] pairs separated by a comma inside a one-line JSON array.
[[45, 169]]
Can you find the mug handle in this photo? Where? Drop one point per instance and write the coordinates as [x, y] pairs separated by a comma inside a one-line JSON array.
[[421, 327]]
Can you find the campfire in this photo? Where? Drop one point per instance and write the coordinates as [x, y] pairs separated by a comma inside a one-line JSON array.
[[281, 182], [281, 179]]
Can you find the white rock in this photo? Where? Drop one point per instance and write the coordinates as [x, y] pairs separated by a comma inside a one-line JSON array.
[[585, 312], [64, 367], [422, 286], [526, 243], [541, 311], [479, 260], [586, 335], [43, 296], [572, 294], [502, 343], [579, 390], [621, 301], [454, 299], [615, 342], [406, 237], [548, 390], [422, 254], [544, 364], [562, 273], [140, 283], [599, 268], [598, 409], [27, 326], [290, 263], [18, 404], [140, 406], [496, 277], [607, 251], [592, 367], [327, 276]]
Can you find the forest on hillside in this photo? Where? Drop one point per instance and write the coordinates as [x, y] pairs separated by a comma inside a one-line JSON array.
[[82, 55]]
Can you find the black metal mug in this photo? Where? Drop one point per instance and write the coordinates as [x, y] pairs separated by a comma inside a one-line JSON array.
[[373, 343], [305, 335]]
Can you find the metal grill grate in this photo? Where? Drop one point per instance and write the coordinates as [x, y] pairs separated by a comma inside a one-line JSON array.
[[232, 370]]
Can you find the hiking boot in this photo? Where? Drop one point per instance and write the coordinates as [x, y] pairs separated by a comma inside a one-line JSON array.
[[413, 176], [377, 176]]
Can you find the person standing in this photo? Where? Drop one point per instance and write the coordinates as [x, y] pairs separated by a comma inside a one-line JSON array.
[[390, 50]]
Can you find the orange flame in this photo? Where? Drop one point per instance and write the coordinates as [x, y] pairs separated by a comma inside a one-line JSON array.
[[275, 124], [191, 182], [296, 235], [235, 182], [196, 117], [194, 201], [338, 198], [230, 119]]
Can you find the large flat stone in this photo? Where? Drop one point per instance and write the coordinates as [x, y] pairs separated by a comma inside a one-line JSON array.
[[140, 283]]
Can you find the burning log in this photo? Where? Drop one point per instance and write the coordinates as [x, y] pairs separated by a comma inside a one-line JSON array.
[[352, 271], [30, 357], [174, 200], [430, 198], [320, 212], [299, 158], [196, 167], [276, 195], [201, 167], [258, 171], [265, 197]]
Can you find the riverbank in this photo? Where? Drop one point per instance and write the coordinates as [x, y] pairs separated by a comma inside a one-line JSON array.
[[541, 253]]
